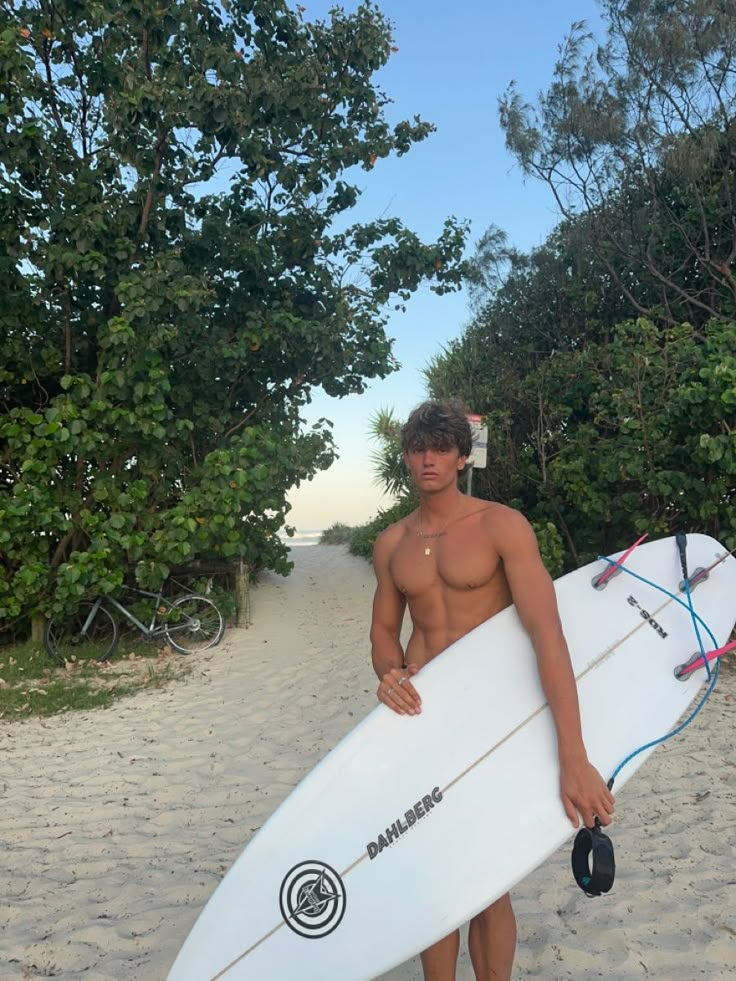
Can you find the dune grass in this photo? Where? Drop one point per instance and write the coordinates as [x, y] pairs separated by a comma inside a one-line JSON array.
[[337, 534], [31, 685]]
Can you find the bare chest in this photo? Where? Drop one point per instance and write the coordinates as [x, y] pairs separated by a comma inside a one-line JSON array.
[[458, 560]]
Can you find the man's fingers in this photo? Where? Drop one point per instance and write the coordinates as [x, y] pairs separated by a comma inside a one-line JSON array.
[[601, 810], [606, 810], [397, 692], [407, 697], [386, 695], [571, 812], [408, 690], [585, 796]]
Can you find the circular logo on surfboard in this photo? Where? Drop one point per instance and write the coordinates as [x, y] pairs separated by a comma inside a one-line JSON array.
[[312, 899]]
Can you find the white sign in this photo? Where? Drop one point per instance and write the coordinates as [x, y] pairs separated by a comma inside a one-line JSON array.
[[479, 453]]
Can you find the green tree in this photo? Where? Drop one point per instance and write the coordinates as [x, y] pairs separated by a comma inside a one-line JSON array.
[[528, 308], [638, 134], [616, 438], [601, 422], [178, 274]]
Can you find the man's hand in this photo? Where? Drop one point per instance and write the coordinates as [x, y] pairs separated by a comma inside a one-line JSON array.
[[584, 791], [396, 691]]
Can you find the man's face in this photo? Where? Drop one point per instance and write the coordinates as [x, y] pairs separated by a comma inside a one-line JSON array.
[[434, 469]]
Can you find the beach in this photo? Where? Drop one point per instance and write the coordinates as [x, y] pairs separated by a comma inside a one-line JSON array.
[[117, 825]]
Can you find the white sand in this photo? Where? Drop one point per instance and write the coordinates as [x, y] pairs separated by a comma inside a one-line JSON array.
[[116, 825]]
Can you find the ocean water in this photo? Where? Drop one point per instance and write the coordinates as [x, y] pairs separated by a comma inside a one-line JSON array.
[[301, 538]]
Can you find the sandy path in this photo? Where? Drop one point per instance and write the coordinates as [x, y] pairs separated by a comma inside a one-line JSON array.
[[116, 825]]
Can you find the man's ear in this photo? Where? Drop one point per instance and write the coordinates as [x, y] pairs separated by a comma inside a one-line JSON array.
[[461, 461]]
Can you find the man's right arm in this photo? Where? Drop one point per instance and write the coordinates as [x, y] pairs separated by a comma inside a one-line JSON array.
[[388, 609], [389, 605]]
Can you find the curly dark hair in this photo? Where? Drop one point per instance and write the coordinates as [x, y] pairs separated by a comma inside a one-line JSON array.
[[438, 425]]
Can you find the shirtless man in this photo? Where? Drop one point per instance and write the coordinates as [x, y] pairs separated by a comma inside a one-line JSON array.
[[456, 561]]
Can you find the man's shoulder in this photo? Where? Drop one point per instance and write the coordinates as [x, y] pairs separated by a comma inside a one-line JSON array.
[[493, 511], [508, 529], [390, 537], [396, 531], [504, 522]]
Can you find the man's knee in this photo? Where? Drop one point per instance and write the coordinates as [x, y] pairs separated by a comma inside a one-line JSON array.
[[502, 903], [500, 908]]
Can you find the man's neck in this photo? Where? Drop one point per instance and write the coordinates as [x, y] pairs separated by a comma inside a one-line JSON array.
[[438, 509]]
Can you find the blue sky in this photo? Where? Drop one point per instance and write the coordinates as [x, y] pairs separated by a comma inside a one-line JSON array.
[[454, 62]]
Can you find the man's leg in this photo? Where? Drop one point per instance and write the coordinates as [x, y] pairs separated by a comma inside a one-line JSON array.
[[492, 941], [440, 960]]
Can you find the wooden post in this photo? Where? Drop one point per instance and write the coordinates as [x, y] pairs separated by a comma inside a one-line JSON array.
[[38, 626], [242, 591]]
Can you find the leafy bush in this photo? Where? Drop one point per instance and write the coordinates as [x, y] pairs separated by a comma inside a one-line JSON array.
[[551, 547], [364, 537], [337, 534]]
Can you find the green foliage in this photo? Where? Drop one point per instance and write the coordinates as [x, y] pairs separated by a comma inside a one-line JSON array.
[[364, 537], [612, 439], [172, 285], [392, 475], [636, 135], [388, 460], [599, 424], [551, 547], [336, 534]]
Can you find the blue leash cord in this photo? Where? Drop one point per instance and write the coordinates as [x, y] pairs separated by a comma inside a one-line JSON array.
[[712, 676]]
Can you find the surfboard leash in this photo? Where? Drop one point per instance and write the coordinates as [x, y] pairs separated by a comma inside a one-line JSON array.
[[698, 660], [593, 858]]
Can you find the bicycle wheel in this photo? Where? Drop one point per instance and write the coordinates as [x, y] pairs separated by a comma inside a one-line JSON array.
[[64, 640], [194, 624]]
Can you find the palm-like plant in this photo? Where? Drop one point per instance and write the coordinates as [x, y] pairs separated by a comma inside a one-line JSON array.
[[388, 461]]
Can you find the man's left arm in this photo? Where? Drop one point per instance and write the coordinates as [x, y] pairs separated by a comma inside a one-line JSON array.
[[582, 788]]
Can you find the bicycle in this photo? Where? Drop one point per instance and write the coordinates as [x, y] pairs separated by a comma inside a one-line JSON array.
[[193, 623]]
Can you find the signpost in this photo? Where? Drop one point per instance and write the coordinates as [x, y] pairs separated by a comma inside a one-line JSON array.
[[479, 453]]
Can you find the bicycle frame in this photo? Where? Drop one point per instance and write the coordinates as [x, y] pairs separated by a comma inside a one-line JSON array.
[[188, 622], [151, 631]]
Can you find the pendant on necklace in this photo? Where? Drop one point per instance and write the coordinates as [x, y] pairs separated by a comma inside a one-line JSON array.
[[427, 550]]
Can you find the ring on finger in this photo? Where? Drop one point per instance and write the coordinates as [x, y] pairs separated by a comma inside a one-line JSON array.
[[404, 679], [390, 691]]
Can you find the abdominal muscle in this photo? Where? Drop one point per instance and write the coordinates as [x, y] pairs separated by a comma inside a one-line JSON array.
[[444, 615]]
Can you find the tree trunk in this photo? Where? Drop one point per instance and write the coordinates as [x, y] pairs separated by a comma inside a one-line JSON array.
[[242, 591]]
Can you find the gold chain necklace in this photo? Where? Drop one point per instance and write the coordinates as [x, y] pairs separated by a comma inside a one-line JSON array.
[[427, 535], [430, 534]]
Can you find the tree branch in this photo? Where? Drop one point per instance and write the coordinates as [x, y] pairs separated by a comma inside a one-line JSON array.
[[147, 207], [60, 550], [67, 330], [45, 57]]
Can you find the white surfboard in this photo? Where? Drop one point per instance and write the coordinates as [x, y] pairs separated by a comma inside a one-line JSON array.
[[413, 824]]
